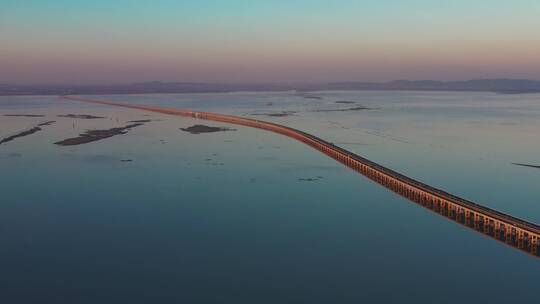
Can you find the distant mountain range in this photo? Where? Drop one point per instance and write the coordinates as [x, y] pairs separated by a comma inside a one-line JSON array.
[[505, 86]]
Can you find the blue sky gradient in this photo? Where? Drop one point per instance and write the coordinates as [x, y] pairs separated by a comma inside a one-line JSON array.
[[104, 41]]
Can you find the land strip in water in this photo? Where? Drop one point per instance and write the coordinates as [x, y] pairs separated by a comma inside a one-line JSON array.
[[25, 132], [527, 165], [95, 135], [24, 115], [359, 108], [80, 116]]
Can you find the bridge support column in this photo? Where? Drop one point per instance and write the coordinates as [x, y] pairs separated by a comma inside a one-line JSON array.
[[509, 233], [486, 224], [534, 244], [520, 235], [498, 230], [468, 218]]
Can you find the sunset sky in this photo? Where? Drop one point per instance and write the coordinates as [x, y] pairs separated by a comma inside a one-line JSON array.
[[116, 41]]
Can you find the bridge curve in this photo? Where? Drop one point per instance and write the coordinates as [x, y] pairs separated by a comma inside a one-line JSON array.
[[513, 231]]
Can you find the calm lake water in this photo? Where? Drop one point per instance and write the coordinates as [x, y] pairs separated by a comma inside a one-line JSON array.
[[248, 216]]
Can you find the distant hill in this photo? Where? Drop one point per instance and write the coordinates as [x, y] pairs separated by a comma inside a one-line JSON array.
[[506, 86], [492, 85]]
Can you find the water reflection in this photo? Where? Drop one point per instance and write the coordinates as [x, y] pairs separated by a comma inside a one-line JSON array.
[[482, 224]]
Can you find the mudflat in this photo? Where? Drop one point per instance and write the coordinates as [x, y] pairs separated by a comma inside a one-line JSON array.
[[95, 135]]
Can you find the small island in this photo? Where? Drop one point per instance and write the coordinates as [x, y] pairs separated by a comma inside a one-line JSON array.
[[198, 129], [95, 135]]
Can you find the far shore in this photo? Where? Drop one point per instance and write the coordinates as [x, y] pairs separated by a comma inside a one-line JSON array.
[[305, 90]]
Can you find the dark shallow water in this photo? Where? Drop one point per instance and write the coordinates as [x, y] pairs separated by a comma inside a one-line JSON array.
[[226, 217]]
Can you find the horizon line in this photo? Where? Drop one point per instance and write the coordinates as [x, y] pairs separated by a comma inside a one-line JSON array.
[[264, 82]]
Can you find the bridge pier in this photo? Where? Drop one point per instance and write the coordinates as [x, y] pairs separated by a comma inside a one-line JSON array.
[[533, 246]]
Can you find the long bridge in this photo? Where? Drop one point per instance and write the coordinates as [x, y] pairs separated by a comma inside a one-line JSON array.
[[515, 232]]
